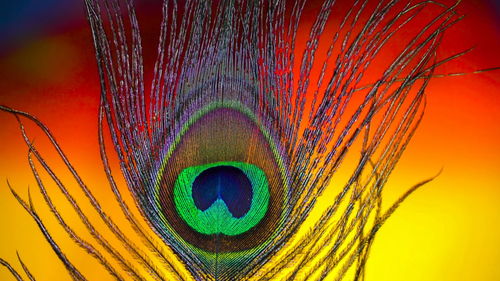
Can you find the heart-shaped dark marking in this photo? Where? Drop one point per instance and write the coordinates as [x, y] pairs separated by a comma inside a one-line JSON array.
[[227, 183]]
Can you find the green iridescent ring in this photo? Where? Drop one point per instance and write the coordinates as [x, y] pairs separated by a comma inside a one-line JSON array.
[[218, 218]]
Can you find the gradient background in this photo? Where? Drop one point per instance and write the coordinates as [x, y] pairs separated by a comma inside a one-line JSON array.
[[448, 230]]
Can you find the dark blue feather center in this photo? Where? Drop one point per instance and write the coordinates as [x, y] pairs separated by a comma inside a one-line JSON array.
[[227, 183]]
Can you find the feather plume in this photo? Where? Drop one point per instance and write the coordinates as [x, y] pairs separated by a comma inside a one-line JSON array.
[[240, 132]]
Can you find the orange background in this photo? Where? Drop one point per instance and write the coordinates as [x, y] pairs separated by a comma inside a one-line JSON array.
[[448, 230]]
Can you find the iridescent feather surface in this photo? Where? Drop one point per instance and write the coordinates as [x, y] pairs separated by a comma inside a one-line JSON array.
[[229, 147]]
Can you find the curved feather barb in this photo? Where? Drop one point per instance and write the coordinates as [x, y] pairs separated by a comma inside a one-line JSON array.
[[251, 111]]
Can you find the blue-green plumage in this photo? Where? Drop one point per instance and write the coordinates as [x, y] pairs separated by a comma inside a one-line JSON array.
[[242, 130], [225, 198]]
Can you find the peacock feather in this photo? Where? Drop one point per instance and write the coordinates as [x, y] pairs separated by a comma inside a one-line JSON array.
[[238, 135]]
